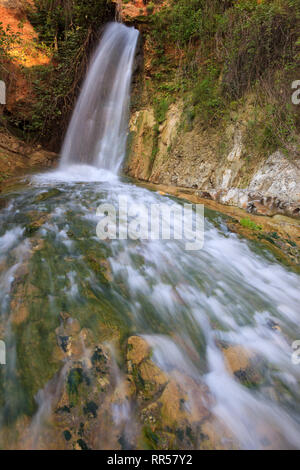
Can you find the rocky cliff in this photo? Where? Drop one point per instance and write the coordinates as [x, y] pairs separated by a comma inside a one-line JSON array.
[[19, 41], [230, 158], [20, 53], [214, 162]]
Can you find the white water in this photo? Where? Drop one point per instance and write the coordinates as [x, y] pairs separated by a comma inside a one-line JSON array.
[[184, 303], [98, 130]]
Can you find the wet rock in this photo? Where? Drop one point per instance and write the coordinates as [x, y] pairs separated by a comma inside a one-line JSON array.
[[43, 158], [72, 327], [167, 404], [71, 339], [273, 325], [100, 266], [236, 358], [215, 436], [100, 360], [243, 364], [37, 221], [172, 400], [76, 377], [64, 343], [36, 244], [64, 316], [23, 293], [152, 373], [146, 378], [48, 195], [137, 350]]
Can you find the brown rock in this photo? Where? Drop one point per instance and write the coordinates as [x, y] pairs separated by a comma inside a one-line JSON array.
[[171, 401], [138, 350], [72, 327], [237, 357], [153, 374]]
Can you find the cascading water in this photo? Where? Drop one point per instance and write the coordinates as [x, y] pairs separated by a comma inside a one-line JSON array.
[[98, 130], [65, 294]]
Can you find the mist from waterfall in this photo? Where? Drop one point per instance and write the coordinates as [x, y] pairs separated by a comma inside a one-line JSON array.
[[98, 130]]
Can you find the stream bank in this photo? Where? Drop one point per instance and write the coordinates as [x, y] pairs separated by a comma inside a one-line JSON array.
[[279, 233], [18, 158]]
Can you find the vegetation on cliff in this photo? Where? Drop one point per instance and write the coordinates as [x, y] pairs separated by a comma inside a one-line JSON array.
[[214, 52], [67, 31]]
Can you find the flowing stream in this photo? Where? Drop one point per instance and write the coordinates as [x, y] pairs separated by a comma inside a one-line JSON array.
[[190, 306]]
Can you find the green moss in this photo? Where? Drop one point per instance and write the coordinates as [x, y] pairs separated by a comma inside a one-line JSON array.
[[161, 106], [35, 342], [151, 438], [76, 377], [48, 195], [138, 379], [248, 223]]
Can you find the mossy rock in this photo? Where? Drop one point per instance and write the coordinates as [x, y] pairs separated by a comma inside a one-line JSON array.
[[48, 195]]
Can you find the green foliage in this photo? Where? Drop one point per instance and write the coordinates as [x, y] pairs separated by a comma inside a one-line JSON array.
[[69, 29], [54, 18], [151, 438], [55, 85], [207, 101], [7, 39], [255, 38], [222, 50], [275, 121], [161, 106], [150, 8], [179, 23], [248, 223]]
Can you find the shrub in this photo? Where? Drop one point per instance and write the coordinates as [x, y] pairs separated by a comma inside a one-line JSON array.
[[255, 38]]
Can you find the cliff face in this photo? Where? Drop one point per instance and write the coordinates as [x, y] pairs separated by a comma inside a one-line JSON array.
[[171, 145], [23, 53], [19, 54], [136, 10], [213, 162]]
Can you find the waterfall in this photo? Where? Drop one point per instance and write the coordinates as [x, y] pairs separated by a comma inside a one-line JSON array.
[[98, 130]]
